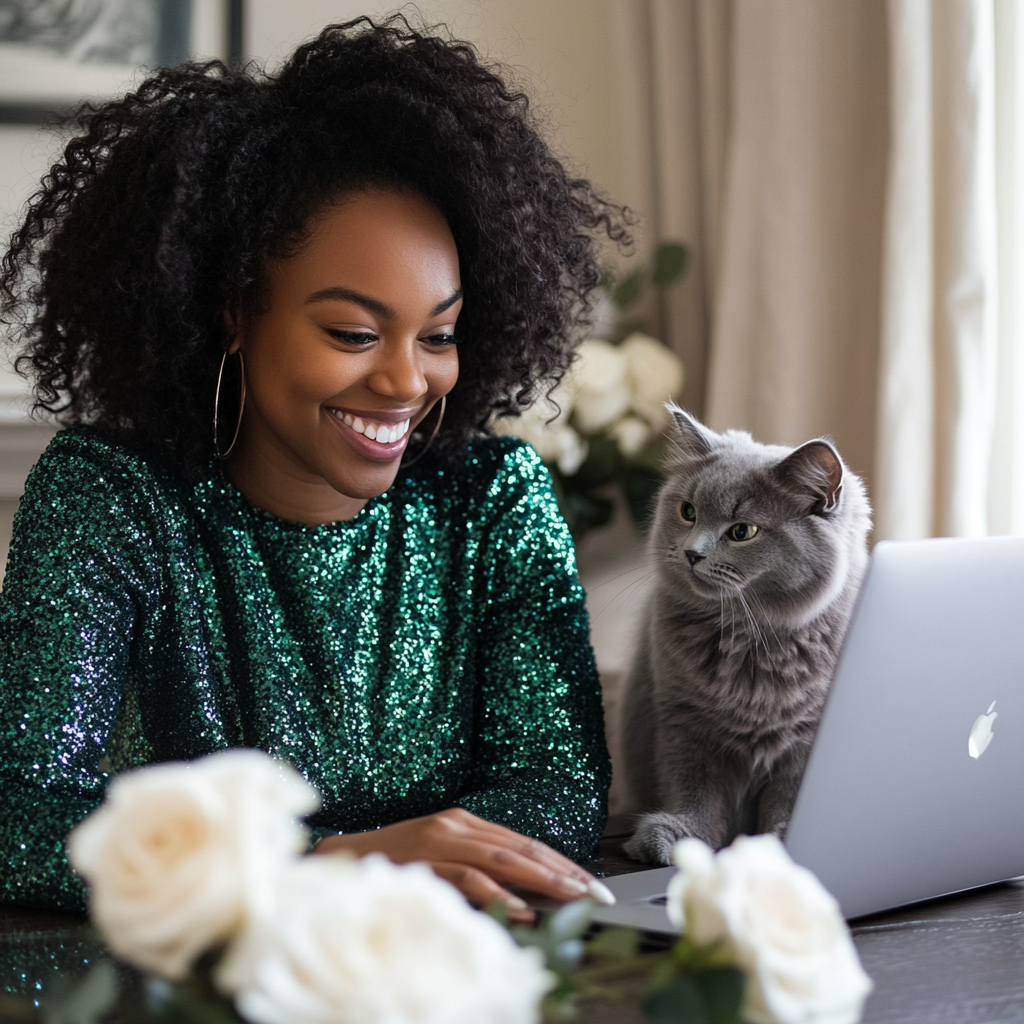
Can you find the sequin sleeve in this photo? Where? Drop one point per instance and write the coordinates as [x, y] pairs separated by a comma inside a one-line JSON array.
[[67, 614], [542, 764]]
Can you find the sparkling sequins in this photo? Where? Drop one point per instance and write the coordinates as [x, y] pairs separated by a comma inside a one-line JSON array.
[[432, 651]]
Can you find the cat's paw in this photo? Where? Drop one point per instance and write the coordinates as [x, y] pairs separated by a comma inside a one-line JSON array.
[[656, 836]]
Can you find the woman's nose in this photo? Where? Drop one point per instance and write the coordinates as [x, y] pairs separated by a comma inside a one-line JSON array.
[[398, 373]]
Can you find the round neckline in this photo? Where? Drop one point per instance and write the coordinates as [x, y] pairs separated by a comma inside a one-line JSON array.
[[228, 486]]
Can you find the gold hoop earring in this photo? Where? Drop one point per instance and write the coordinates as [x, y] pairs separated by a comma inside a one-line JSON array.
[[433, 434], [216, 405]]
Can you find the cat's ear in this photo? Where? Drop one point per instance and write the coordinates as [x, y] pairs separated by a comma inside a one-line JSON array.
[[692, 439], [813, 476]]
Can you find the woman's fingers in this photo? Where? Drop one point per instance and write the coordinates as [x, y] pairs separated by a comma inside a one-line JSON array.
[[481, 890], [457, 837], [572, 881], [506, 866]]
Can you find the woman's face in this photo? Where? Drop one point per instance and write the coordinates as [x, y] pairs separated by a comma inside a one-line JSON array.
[[355, 347]]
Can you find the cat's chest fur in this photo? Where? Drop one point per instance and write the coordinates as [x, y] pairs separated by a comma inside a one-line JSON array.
[[754, 688]]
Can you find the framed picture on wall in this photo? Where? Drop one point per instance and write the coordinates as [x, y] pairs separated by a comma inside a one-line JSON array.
[[56, 53]]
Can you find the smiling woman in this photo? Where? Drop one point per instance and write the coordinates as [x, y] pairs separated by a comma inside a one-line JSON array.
[[349, 267]]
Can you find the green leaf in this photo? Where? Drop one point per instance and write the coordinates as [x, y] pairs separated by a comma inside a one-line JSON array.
[[670, 259], [722, 988], [568, 954], [196, 1001], [630, 289], [615, 943], [497, 910], [602, 465], [681, 1001], [85, 1003], [571, 921], [640, 489], [584, 512]]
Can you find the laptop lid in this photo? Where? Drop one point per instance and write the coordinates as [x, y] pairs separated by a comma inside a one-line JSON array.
[[898, 804]]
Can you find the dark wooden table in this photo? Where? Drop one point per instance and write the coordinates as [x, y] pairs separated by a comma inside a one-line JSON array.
[[958, 960]]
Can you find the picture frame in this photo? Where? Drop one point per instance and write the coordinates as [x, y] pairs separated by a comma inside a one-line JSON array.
[[54, 55]]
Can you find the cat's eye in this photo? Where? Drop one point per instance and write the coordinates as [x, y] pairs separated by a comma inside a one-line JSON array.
[[688, 512], [741, 531]]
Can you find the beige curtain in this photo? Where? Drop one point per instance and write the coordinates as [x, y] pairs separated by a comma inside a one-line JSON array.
[[852, 195], [795, 337], [939, 339], [672, 87]]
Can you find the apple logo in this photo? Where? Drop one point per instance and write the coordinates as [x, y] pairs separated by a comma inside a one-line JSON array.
[[981, 732]]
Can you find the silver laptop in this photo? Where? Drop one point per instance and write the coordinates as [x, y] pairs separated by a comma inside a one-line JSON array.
[[915, 785]]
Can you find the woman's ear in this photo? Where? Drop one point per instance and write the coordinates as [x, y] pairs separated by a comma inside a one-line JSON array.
[[233, 328]]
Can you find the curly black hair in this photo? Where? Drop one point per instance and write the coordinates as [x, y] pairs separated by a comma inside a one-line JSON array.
[[167, 205]]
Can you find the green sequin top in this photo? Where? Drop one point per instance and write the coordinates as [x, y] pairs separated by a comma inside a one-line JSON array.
[[433, 651]]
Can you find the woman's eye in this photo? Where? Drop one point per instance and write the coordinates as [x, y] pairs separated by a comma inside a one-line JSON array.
[[742, 531], [444, 338], [688, 512], [352, 337]]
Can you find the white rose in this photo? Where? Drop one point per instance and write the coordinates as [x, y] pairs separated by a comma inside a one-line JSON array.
[[655, 375], [572, 450], [178, 852], [597, 381], [596, 409], [542, 425], [359, 941], [599, 366], [631, 434], [778, 923]]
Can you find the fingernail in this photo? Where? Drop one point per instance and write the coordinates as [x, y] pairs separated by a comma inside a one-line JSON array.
[[514, 903], [574, 885], [601, 892]]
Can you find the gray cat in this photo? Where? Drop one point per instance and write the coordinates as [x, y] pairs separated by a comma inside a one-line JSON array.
[[760, 552]]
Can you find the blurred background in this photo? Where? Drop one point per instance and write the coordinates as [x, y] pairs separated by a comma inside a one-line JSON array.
[[831, 235]]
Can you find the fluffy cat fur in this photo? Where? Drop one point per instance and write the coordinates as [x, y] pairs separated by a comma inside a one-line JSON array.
[[740, 636]]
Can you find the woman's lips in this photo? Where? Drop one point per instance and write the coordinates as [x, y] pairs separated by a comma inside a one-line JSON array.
[[372, 438]]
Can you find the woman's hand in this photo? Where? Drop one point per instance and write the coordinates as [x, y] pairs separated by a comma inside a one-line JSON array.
[[478, 857]]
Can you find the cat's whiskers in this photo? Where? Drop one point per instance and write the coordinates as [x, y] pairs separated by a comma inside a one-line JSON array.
[[632, 585], [759, 637], [653, 564], [764, 616]]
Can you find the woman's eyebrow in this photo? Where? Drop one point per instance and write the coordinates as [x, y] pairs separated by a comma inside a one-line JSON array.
[[448, 303], [381, 309]]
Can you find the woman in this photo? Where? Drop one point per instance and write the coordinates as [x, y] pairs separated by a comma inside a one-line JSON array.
[[277, 314]]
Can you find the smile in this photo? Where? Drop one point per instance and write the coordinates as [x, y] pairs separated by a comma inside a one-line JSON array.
[[382, 433]]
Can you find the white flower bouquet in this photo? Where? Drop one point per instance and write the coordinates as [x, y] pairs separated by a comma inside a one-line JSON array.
[[197, 866], [195, 878], [601, 427]]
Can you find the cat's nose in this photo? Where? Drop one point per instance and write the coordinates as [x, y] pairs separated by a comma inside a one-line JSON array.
[[693, 557]]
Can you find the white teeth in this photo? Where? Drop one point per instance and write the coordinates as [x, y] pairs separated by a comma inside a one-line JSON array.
[[379, 432]]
